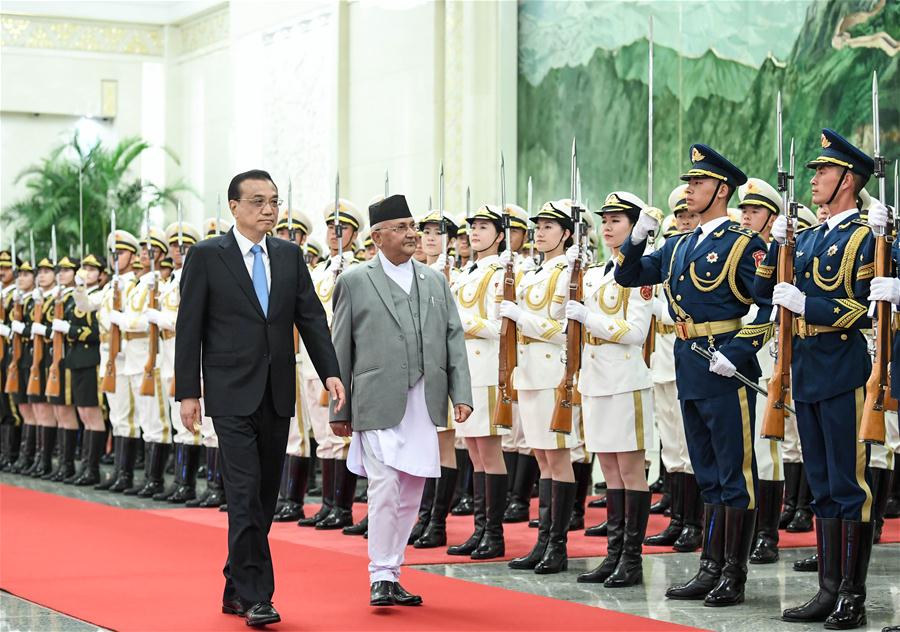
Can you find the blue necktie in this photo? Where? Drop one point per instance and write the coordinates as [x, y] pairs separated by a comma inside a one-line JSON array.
[[259, 278]]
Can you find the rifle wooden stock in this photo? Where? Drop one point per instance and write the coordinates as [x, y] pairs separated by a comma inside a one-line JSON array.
[[780, 383], [566, 396], [37, 357], [115, 345], [148, 383], [508, 358], [878, 393], [650, 342], [12, 370], [53, 383]]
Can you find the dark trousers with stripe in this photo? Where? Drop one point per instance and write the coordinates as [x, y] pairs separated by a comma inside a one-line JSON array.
[[719, 432], [836, 462]]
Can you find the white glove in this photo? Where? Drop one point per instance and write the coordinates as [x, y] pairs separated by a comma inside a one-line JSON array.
[[152, 316], [505, 257], [5, 331], [885, 289], [878, 215], [779, 229], [660, 307], [116, 317], [149, 280], [337, 264], [441, 261], [17, 326], [510, 310], [720, 365], [572, 256], [576, 311], [119, 283], [789, 296], [62, 326], [647, 223], [37, 295], [79, 278], [37, 329], [298, 358]]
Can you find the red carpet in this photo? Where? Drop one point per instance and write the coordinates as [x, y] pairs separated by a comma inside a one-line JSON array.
[[519, 538], [139, 570]]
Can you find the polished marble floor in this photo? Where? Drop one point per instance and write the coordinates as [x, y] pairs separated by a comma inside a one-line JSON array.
[[770, 588]]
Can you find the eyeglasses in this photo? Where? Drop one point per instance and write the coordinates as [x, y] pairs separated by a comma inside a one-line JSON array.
[[260, 203], [400, 228]]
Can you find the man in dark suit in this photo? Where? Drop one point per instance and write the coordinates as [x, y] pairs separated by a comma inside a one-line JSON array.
[[241, 295]]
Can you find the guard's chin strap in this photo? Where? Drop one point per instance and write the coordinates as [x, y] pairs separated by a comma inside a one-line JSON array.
[[488, 247], [837, 186], [712, 197]]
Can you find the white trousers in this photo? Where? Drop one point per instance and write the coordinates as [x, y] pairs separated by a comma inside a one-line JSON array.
[[790, 447], [394, 498], [298, 434], [769, 461], [151, 411], [667, 415], [330, 446], [121, 409]]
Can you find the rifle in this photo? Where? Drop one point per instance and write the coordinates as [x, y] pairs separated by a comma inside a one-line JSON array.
[[878, 390], [3, 302], [115, 335], [650, 341], [148, 383], [566, 397], [443, 226], [37, 313], [503, 408], [324, 396], [53, 382], [780, 384]]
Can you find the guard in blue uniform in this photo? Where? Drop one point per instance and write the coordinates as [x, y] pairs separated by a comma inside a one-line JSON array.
[[834, 263], [708, 280]]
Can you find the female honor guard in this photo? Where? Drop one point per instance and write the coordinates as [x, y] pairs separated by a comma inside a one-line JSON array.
[[539, 314], [22, 299], [617, 396], [477, 290]]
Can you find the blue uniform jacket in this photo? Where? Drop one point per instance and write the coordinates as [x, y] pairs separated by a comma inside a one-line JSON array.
[[713, 282], [833, 272]]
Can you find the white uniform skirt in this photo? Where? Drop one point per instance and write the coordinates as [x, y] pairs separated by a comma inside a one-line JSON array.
[[619, 423], [481, 422], [536, 411]]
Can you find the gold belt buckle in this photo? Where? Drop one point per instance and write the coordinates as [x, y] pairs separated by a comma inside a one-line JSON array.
[[681, 329], [801, 327]]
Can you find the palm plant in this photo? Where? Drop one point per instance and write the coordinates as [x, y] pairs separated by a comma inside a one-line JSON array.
[[106, 181]]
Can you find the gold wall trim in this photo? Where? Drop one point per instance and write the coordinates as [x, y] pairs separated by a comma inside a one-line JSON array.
[[36, 32]]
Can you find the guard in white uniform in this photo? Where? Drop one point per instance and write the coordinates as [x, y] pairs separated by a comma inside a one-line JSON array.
[[617, 394]]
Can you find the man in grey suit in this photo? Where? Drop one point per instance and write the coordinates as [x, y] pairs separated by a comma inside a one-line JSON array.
[[401, 349]]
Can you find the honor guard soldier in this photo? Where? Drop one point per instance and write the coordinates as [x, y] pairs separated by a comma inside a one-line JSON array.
[[338, 483], [708, 278], [16, 384], [10, 421], [180, 237], [617, 396], [369, 245], [685, 529], [463, 249], [142, 366], [833, 266], [539, 314], [295, 473], [313, 252]]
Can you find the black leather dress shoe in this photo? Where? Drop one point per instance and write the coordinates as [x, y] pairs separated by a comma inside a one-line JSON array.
[[382, 594], [233, 606], [262, 613], [403, 598]]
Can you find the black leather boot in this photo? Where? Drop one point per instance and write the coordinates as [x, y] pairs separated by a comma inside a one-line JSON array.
[[598, 503], [669, 535], [344, 490], [328, 467], [117, 455], [68, 441], [528, 562], [165, 494], [881, 489], [691, 536], [492, 544], [556, 556], [435, 534], [479, 508], [664, 503], [615, 534], [155, 467], [189, 469], [13, 445], [312, 487], [360, 528], [711, 557], [792, 474], [659, 484], [44, 458], [740, 525], [520, 496], [828, 551], [802, 521], [510, 460], [26, 449], [125, 479], [296, 475], [5, 446], [425, 506], [765, 545], [630, 570], [807, 564], [94, 443], [892, 509], [463, 503], [214, 496], [582, 484], [856, 545]]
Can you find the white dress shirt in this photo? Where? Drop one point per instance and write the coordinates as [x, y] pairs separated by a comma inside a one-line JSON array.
[[412, 445], [709, 227], [840, 218], [245, 245]]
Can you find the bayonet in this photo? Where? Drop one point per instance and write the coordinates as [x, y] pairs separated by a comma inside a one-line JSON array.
[[503, 210], [530, 230], [650, 118], [338, 227], [879, 159], [468, 202], [290, 212], [779, 142], [445, 238], [31, 246], [112, 247], [81, 211], [180, 217], [387, 184], [218, 214]]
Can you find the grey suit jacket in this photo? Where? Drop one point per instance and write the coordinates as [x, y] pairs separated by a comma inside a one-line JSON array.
[[365, 331]]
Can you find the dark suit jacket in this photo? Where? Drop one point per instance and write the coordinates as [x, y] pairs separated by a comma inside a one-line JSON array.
[[221, 326]]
